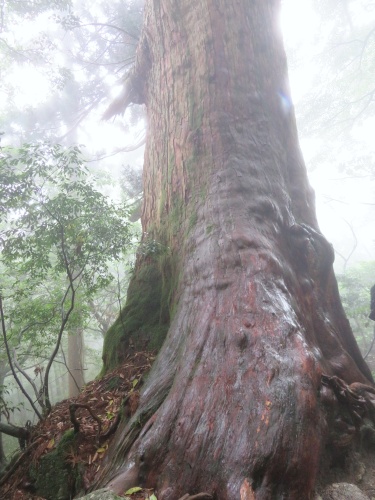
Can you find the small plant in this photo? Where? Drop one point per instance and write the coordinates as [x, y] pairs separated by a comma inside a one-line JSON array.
[[151, 247]]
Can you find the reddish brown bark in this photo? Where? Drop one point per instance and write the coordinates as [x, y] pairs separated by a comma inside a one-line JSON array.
[[234, 404]]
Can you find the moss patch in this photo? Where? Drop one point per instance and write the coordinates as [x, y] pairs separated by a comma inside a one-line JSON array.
[[152, 293], [193, 220], [55, 477], [144, 321]]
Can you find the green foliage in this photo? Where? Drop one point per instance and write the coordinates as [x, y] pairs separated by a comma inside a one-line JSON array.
[[59, 235], [151, 248], [133, 490], [56, 221], [354, 288], [6, 409]]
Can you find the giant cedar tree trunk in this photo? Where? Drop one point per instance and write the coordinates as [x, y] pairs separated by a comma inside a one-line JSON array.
[[234, 404]]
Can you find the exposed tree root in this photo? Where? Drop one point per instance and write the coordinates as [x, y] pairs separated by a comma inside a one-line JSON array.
[[354, 396], [15, 431], [72, 412], [356, 413], [47, 434]]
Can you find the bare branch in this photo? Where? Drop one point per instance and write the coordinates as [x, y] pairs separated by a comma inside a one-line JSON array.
[[23, 390], [29, 379]]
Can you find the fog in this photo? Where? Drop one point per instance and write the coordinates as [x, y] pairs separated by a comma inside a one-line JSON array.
[[62, 68]]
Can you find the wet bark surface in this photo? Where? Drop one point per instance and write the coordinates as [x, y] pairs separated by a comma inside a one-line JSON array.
[[235, 404]]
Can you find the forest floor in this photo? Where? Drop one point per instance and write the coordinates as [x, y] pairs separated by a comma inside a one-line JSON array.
[[355, 468], [96, 411]]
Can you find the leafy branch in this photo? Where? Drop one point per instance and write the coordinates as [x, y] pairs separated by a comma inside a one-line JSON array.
[[23, 390], [58, 229]]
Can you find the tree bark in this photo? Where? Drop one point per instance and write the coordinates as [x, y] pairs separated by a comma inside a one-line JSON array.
[[3, 372], [234, 404], [75, 362]]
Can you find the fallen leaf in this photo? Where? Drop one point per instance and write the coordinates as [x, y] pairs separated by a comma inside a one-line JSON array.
[[133, 490], [51, 444]]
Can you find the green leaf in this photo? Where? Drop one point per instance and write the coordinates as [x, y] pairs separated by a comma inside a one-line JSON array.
[[133, 490], [152, 497]]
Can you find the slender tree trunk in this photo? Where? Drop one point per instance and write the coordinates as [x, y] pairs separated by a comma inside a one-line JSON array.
[[2, 451], [75, 362], [234, 404], [3, 460]]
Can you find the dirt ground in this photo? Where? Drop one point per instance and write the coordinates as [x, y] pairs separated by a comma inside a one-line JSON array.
[[357, 468]]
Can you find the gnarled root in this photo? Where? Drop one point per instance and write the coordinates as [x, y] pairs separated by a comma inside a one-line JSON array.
[[357, 408]]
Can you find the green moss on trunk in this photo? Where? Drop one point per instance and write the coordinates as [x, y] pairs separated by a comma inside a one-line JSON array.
[[144, 321]]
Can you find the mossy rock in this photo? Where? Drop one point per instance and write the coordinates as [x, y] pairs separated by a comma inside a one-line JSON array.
[[54, 477]]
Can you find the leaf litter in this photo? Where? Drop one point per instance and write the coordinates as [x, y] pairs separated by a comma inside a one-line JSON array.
[[103, 398]]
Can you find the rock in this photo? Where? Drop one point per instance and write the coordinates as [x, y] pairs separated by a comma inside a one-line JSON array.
[[343, 491], [359, 471], [103, 494], [56, 478]]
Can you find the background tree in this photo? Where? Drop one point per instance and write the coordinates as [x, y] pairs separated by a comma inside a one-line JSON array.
[[245, 391], [57, 224], [43, 44], [73, 53]]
